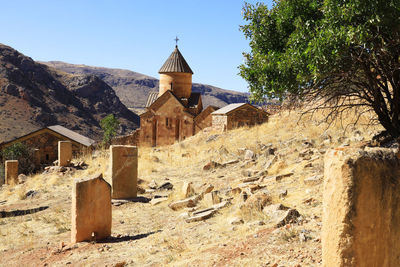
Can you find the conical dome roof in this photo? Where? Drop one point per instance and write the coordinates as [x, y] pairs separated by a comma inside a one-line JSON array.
[[175, 63]]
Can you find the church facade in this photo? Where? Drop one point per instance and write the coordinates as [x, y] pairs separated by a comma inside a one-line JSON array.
[[175, 112]]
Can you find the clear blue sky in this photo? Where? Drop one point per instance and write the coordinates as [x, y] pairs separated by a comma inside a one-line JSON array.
[[134, 35]]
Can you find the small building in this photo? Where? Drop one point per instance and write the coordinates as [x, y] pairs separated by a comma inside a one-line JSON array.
[[175, 112], [45, 142], [238, 115]]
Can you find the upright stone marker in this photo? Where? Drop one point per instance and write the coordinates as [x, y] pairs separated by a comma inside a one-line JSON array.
[[11, 172], [64, 153], [361, 208], [91, 209], [124, 166]]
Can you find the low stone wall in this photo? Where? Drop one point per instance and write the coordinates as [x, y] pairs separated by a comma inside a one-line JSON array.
[[361, 214]]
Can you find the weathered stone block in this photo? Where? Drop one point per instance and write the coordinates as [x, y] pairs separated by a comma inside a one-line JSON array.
[[64, 153], [211, 198], [124, 170], [187, 189], [361, 212], [11, 172], [91, 209]]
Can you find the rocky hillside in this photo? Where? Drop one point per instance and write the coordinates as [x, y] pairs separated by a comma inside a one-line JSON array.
[[268, 181], [133, 88], [32, 96]]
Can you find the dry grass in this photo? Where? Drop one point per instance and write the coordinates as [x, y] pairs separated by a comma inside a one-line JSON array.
[[173, 241]]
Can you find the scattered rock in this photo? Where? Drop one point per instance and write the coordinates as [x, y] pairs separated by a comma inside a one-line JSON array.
[[201, 216], [290, 216], [308, 165], [283, 193], [212, 138], [211, 165], [185, 203], [120, 264], [313, 180], [221, 205], [22, 178], [270, 151], [250, 179], [247, 173], [306, 152], [270, 162], [156, 201], [153, 184], [235, 221], [231, 162], [155, 159], [270, 209], [187, 189], [31, 194], [205, 188], [211, 198], [258, 201], [249, 155], [166, 186], [280, 177], [140, 190]]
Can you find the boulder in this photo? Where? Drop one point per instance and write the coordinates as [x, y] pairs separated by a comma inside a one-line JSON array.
[[249, 155], [184, 203], [201, 216], [313, 180], [211, 165], [258, 201], [187, 189], [211, 198]]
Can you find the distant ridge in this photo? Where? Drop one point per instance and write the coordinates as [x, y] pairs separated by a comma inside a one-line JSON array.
[[133, 88], [33, 96]]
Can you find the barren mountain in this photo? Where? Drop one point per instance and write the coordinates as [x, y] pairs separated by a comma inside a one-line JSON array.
[[33, 95], [133, 88]]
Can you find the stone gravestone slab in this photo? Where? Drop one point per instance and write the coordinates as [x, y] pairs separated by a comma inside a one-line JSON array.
[[124, 170], [64, 153], [361, 215], [91, 209], [11, 171]]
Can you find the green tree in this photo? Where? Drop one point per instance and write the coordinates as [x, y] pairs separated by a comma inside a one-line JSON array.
[[344, 54], [22, 153], [110, 125]]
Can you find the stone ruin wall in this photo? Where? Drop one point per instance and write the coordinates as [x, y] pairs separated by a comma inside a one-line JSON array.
[[245, 116], [361, 214]]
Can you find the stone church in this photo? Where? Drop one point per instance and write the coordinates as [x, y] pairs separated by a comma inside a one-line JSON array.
[[175, 112]]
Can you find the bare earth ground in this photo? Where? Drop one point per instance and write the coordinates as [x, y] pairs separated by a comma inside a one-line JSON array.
[[154, 235]]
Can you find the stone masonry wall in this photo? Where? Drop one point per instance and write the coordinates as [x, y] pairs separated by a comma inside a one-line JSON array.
[[361, 214], [169, 125], [48, 146], [245, 116], [219, 122]]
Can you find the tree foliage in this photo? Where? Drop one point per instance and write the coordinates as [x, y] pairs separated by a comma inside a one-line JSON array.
[[110, 125], [22, 153], [341, 53]]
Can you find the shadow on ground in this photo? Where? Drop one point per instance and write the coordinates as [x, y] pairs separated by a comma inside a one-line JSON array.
[[114, 239]]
